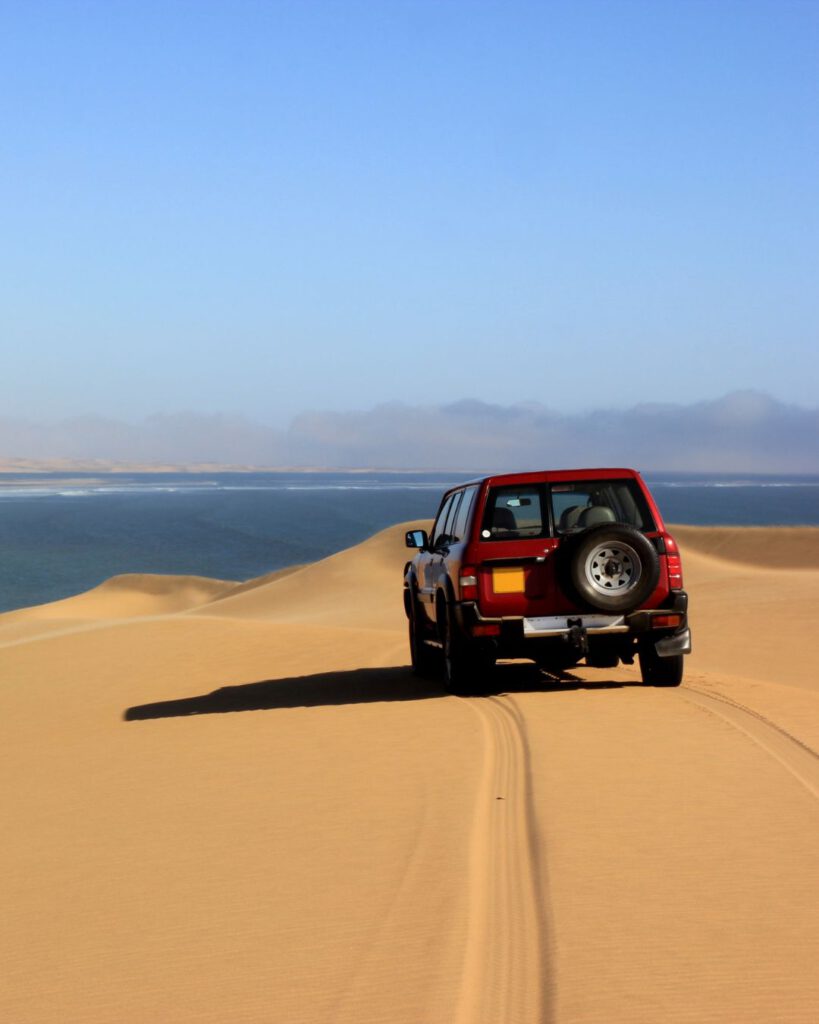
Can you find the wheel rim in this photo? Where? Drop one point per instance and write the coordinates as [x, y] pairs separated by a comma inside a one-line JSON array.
[[613, 568]]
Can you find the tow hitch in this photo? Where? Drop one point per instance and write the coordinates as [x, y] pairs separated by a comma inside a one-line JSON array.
[[577, 637]]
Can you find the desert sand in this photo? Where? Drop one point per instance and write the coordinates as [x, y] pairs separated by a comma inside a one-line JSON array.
[[233, 803]]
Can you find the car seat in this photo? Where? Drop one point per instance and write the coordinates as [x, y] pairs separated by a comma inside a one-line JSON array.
[[570, 516], [503, 520]]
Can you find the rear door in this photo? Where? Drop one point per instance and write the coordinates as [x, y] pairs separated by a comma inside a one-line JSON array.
[[517, 571]]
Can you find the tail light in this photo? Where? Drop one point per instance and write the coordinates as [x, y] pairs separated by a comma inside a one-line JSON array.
[[673, 563], [468, 582], [665, 621]]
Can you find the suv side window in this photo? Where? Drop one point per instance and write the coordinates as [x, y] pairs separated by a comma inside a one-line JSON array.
[[462, 520], [438, 529], [449, 528]]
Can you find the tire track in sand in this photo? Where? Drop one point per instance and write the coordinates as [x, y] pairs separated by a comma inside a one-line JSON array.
[[505, 974], [794, 755]]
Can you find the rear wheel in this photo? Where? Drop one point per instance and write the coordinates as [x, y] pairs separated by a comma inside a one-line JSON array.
[[422, 657], [657, 671], [467, 667]]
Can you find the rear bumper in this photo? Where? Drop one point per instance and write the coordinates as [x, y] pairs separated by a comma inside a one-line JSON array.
[[517, 633]]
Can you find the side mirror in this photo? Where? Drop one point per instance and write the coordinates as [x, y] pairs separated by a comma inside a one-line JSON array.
[[417, 539]]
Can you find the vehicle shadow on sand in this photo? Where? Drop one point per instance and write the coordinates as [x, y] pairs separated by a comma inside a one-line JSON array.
[[524, 678], [359, 686]]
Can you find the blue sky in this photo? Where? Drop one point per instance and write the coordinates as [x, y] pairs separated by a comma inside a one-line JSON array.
[[263, 208]]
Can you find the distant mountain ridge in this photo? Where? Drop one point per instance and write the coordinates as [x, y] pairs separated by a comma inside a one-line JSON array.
[[745, 431]]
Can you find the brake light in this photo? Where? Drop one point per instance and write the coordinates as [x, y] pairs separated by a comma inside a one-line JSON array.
[[673, 563], [665, 621], [468, 582]]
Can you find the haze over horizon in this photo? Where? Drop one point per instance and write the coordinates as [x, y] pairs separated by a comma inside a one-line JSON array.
[[747, 432], [286, 207]]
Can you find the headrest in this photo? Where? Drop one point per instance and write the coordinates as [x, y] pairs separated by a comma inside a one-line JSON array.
[[504, 519], [597, 514], [570, 516]]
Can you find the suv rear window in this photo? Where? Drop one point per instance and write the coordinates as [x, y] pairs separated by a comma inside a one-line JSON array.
[[513, 513], [525, 512], [585, 503]]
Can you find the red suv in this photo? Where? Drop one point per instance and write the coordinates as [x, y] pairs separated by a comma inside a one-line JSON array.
[[554, 566]]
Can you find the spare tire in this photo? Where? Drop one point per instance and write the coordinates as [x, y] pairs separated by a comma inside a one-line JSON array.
[[612, 567]]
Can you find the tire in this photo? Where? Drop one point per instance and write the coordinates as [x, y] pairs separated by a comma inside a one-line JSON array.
[[467, 668], [422, 657], [657, 671], [612, 568]]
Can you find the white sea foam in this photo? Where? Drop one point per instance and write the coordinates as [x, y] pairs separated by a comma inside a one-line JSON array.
[[393, 484], [658, 484]]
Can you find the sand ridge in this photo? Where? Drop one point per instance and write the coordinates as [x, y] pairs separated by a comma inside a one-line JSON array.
[[761, 547], [233, 802]]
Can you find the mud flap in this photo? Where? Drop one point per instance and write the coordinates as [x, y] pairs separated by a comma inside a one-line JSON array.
[[679, 643]]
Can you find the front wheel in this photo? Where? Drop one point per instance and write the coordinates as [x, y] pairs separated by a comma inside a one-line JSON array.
[[657, 671]]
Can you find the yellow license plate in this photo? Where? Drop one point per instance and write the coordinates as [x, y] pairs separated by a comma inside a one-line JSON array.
[[508, 580]]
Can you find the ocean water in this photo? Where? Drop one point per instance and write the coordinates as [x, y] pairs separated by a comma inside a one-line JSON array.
[[64, 533]]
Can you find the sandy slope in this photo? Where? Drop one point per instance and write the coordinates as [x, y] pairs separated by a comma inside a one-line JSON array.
[[231, 802]]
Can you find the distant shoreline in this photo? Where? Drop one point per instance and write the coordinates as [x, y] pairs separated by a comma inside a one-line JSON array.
[[64, 530], [106, 467], [97, 468]]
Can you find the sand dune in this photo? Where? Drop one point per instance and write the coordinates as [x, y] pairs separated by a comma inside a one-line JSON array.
[[343, 590], [786, 547], [137, 594], [232, 802], [755, 623], [133, 595]]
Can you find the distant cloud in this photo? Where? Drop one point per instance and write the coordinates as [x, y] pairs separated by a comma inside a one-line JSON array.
[[179, 437], [745, 431]]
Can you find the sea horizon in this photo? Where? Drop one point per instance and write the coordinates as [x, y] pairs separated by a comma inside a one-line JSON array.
[[66, 531]]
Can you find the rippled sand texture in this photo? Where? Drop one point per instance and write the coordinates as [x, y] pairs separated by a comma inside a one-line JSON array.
[[230, 802]]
